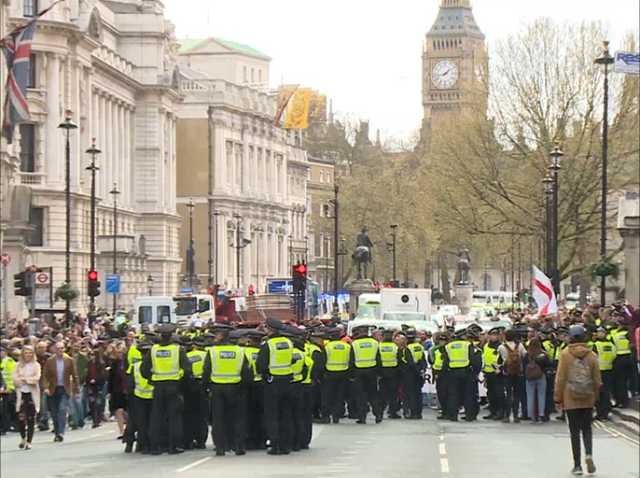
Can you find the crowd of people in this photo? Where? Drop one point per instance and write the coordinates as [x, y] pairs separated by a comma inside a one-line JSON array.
[[263, 388]]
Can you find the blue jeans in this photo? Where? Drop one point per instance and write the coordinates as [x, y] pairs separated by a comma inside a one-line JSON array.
[[58, 405], [76, 409], [536, 388]]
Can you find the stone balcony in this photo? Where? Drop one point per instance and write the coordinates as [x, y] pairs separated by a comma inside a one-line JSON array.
[[32, 179]]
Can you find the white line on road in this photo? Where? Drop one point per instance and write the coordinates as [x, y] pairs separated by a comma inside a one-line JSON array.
[[350, 452], [193, 465], [443, 448], [444, 465]]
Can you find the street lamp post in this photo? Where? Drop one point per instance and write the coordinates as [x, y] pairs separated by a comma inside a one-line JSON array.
[[548, 197], [215, 245], [115, 193], [150, 284], [67, 125], [394, 235], [93, 151], [241, 243], [258, 230], [605, 59], [336, 235], [554, 169], [190, 259]]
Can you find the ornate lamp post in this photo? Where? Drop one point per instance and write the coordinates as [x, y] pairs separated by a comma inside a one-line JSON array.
[[93, 151], [554, 169], [150, 284], [605, 59], [115, 193]]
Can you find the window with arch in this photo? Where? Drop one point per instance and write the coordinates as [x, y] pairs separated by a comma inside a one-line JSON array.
[[30, 8]]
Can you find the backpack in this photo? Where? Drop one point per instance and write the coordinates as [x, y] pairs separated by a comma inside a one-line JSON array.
[[533, 371], [579, 379], [513, 364]]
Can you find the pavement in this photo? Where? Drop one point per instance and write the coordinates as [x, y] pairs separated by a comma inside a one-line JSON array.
[[393, 449]]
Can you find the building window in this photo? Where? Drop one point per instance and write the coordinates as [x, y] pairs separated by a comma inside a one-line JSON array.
[[27, 148], [30, 8], [229, 153], [260, 75], [35, 237], [253, 73], [31, 80]]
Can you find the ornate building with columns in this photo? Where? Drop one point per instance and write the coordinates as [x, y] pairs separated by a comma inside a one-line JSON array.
[[111, 64], [237, 169]]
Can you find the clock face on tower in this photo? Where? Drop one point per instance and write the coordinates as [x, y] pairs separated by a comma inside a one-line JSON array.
[[444, 74]]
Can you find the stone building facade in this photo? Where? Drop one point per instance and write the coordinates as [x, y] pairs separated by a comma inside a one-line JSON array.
[[238, 169], [111, 65]]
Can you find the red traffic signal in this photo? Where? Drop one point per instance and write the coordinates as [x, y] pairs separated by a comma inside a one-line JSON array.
[[300, 269], [92, 275]]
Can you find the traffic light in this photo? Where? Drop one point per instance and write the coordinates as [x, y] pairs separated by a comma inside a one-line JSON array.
[[21, 284], [93, 288], [299, 275]]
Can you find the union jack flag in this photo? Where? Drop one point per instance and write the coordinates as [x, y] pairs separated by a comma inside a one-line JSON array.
[[17, 51]]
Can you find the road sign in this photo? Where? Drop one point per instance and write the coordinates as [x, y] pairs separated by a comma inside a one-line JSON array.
[[279, 286], [5, 259], [113, 284], [42, 279], [186, 290], [627, 62]]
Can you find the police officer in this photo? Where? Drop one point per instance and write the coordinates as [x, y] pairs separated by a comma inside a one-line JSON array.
[[196, 405], [492, 362], [622, 365], [366, 367], [439, 373], [414, 394], [473, 337], [389, 374], [606, 352], [456, 358], [312, 367], [315, 349], [407, 377], [165, 366], [140, 405], [274, 363], [299, 370], [224, 372], [256, 434], [338, 362]]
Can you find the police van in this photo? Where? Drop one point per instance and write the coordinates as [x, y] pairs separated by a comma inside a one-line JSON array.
[[153, 311]]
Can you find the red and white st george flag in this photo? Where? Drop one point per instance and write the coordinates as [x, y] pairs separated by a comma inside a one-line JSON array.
[[543, 293]]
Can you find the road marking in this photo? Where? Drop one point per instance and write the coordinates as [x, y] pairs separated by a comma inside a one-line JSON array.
[[350, 452], [193, 465], [443, 449], [317, 431], [444, 465], [615, 433]]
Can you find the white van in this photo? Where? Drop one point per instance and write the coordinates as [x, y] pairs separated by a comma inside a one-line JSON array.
[[154, 310]]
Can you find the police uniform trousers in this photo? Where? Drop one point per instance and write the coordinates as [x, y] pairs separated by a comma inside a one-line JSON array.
[[308, 391], [603, 405], [524, 411], [8, 415], [139, 421], [389, 380], [622, 372], [441, 390], [277, 412], [166, 415], [297, 411], [495, 393], [412, 383], [229, 403], [195, 414], [460, 392], [549, 406], [256, 433], [366, 392], [333, 386]]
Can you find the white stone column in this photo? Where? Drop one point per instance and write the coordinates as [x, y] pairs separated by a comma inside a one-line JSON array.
[[104, 145], [109, 164], [54, 163]]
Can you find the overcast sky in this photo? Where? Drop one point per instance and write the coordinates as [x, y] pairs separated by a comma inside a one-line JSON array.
[[366, 54]]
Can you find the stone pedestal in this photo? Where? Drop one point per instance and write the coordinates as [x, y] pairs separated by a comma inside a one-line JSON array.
[[356, 288], [629, 229], [464, 297]]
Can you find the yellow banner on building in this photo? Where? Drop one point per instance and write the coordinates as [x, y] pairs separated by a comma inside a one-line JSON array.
[[318, 108], [298, 111], [285, 92]]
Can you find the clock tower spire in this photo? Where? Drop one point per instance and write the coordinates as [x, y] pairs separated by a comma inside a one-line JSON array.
[[454, 64]]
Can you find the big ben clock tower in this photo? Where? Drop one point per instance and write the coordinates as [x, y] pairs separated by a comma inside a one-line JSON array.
[[454, 67]]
